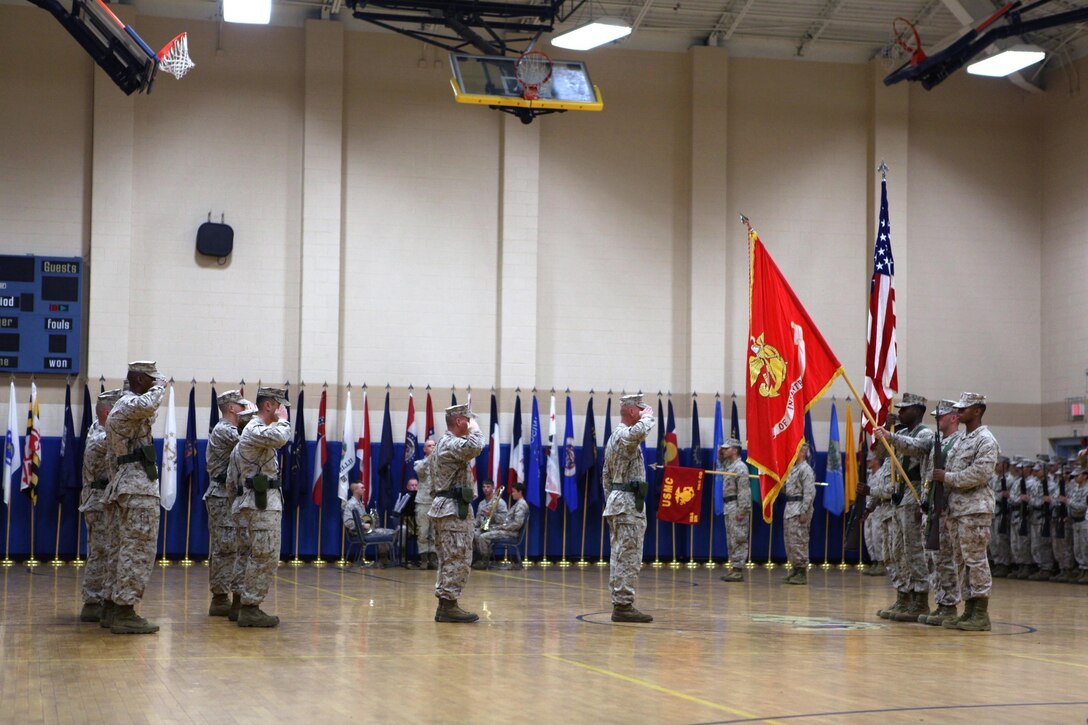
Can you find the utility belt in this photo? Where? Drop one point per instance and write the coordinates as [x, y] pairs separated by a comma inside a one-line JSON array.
[[639, 488], [1078, 519], [730, 499], [794, 499], [261, 485], [145, 456], [99, 484], [901, 490], [463, 495], [220, 479]]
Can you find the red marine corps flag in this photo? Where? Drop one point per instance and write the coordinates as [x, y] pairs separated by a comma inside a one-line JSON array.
[[681, 495], [789, 367]]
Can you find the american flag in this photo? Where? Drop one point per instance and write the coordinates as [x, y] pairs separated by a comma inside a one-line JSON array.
[[881, 378]]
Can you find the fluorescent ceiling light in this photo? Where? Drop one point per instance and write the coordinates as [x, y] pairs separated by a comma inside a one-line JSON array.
[[257, 12], [1007, 62], [592, 34]]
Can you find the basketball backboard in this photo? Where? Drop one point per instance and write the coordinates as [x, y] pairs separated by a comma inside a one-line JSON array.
[[493, 81]]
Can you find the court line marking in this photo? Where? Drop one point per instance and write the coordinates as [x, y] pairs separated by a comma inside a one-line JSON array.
[[656, 687], [877, 711], [1048, 661], [277, 577]]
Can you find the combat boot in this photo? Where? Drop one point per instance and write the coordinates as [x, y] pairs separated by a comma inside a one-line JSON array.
[[1065, 576], [251, 615], [917, 605], [999, 571], [105, 618], [1042, 575], [432, 560], [939, 615], [1022, 571], [968, 608], [448, 611], [900, 604], [220, 606], [126, 621], [800, 576], [235, 607], [91, 612], [979, 621], [788, 579], [1083, 577], [733, 575], [877, 569], [627, 613]]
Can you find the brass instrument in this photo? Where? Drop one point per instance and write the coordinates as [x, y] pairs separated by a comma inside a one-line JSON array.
[[494, 507]]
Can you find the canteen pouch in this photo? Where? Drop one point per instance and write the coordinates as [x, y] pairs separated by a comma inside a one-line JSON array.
[[466, 494], [151, 467], [260, 491], [640, 495]]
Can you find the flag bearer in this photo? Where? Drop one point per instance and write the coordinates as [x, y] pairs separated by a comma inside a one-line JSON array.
[[737, 496], [800, 492]]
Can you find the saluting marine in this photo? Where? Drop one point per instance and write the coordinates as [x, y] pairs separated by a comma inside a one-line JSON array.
[[92, 502]]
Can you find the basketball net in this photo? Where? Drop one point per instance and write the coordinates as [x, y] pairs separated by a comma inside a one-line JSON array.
[[533, 70], [174, 57]]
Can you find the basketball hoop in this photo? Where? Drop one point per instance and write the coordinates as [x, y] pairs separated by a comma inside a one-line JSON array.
[[907, 38], [533, 70], [174, 57]]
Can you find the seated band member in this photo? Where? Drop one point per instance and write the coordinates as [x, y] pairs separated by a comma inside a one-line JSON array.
[[355, 503], [509, 529]]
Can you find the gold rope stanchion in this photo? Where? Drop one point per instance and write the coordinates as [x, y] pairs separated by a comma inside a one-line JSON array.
[[710, 546], [674, 564], [544, 558], [186, 561], [57, 561], [319, 561], [165, 522], [78, 561], [563, 563], [827, 534], [298, 517], [32, 561], [582, 563]]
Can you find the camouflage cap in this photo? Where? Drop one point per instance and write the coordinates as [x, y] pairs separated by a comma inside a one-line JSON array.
[[1078, 471], [944, 407], [875, 453], [110, 396], [147, 367], [910, 400], [732, 443], [231, 396], [247, 404], [1043, 457], [278, 394], [246, 415], [635, 400], [1003, 459], [968, 400], [462, 410]]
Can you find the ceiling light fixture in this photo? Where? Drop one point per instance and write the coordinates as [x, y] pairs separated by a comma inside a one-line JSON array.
[[1007, 62], [592, 34], [254, 12]]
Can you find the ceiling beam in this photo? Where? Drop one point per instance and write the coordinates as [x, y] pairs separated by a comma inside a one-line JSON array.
[[817, 29], [961, 13]]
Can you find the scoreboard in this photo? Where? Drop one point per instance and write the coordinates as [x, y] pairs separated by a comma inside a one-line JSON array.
[[41, 314]]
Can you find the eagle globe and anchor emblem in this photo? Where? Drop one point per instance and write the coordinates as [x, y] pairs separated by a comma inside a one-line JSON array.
[[767, 366]]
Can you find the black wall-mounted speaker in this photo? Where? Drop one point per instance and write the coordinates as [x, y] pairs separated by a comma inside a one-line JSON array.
[[215, 239]]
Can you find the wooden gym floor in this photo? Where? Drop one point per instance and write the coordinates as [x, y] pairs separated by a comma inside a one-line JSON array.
[[361, 646]]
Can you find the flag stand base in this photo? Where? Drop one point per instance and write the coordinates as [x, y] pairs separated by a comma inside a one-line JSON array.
[[826, 565], [749, 565], [674, 564], [769, 565], [656, 564], [186, 562], [564, 564], [319, 563], [710, 565], [582, 564], [32, 562], [343, 563], [56, 563], [545, 563], [693, 564], [6, 563], [602, 562], [164, 562], [205, 563], [295, 562], [844, 566], [77, 562]]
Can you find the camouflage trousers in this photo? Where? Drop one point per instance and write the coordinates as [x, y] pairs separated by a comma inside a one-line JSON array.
[[625, 535], [888, 531], [797, 535], [1020, 546], [874, 537], [424, 532], [943, 568], [1042, 551], [453, 543], [908, 550], [736, 534], [1001, 544], [970, 536], [95, 571], [1063, 548], [482, 540], [1080, 543], [258, 555], [134, 531], [223, 545]]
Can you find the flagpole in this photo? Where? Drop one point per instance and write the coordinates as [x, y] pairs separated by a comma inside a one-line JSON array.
[[7, 543], [78, 561], [32, 562], [319, 561], [657, 563], [842, 548], [186, 561], [563, 563], [601, 561], [827, 535], [544, 557], [56, 547], [674, 564], [770, 545], [710, 546], [298, 517], [165, 522], [887, 446], [585, 504], [749, 564], [342, 562]]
